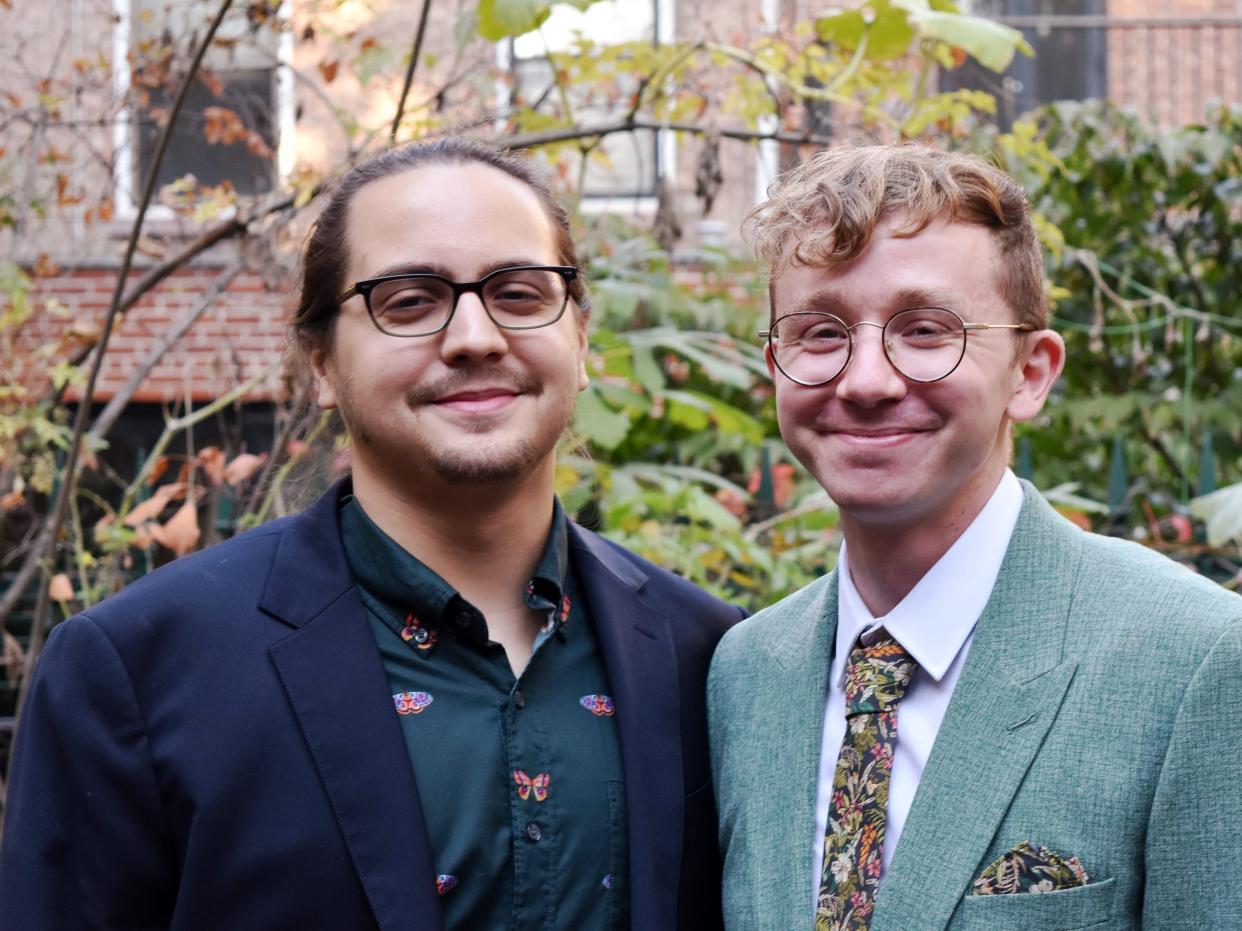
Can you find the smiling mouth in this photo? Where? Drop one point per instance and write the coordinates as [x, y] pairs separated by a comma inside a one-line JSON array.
[[886, 437], [478, 401]]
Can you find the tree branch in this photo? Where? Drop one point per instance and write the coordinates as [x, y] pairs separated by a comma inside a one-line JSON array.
[[117, 404], [570, 133], [409, 72], [46, 544]]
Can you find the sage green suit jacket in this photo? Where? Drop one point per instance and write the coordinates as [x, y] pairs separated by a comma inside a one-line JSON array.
[[1098, 713]]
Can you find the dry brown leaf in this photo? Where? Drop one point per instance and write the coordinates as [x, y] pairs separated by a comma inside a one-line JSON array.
[[157, 470], [181, 533], [12, 501], [211, 459], [60, 588], [13, 659], [44, 267], [328, 70], [243, 467], [154, 506]]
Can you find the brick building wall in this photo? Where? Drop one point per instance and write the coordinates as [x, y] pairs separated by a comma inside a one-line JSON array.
[[240, 337]]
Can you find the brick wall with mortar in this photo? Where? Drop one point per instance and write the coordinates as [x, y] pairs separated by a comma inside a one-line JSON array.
[[239, 338]]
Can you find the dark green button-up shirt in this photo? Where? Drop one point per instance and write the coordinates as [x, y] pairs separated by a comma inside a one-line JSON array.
[[520, 779]]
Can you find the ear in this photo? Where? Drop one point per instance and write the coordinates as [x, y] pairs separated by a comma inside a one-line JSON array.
[[771, 362], [325, 379], [1036, 371], [583, 348]]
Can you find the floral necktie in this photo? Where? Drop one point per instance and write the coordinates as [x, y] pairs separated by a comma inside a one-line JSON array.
[[875, 679]]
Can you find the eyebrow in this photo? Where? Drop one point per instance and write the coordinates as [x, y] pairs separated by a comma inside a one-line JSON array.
[[832, 301], [435, 268]]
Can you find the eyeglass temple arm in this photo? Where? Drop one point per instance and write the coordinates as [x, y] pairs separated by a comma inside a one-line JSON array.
[[1024, 327]]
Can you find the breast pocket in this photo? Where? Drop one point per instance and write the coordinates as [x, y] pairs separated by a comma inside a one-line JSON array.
[[1088, 906]]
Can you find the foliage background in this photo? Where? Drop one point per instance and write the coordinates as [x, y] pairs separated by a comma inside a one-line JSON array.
[[675, 450]]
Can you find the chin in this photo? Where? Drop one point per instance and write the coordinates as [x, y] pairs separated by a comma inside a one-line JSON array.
[[477, 467]]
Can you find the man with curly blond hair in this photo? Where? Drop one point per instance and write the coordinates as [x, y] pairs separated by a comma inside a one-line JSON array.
[[982, 702]]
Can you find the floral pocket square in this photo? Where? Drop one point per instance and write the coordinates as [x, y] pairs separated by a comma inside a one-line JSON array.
[[1025, 869]]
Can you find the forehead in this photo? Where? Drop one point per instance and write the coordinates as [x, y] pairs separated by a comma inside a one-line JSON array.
[[945, 264], [460, 217]]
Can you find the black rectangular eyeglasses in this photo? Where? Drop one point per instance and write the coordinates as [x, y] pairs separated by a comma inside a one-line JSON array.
[[520, 297]]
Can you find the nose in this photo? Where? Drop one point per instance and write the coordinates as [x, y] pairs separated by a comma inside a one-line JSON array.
[[869, 378], [471, 334]]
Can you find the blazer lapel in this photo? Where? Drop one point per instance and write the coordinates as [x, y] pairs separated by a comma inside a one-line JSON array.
[[793, 734], [1011, 688], [638, 652], [336, 684]]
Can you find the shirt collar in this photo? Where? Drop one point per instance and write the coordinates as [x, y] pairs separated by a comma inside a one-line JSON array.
[[937, 617], [407, 586]]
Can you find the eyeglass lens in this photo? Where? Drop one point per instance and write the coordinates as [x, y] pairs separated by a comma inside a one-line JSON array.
[[923, 344], [421, 304]]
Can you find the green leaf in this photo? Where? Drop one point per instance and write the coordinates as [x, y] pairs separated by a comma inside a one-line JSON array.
[[845, 29], [1221, 511], [889, 35], [647, 371], [503, 19], [598, 422], [990, 43]]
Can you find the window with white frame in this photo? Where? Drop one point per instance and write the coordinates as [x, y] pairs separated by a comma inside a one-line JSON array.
[[230, 126], [628, 166]]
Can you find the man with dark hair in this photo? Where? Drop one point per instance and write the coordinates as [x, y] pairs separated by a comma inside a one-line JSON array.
[[984, 718], [430, 700]]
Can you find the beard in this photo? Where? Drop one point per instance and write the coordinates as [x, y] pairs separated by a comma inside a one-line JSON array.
[[471, 457]]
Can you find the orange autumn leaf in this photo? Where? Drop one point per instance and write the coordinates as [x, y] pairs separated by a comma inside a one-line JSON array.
[[154, 506], [60, 588], [181, 533], [243, 467], [12, 501], [328, 70], [211, 459], [157, 470]]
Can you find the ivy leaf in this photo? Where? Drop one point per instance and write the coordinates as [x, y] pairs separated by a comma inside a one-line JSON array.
[[503, 19]]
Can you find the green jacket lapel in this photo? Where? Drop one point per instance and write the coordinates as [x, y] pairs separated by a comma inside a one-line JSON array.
[[1012, 684], [803, 652]]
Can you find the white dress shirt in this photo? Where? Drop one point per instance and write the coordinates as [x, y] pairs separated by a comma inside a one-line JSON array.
[[934, 623]]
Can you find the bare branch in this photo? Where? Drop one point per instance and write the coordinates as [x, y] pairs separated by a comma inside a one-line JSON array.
[[116, 405], [409, 72], [51, 531]]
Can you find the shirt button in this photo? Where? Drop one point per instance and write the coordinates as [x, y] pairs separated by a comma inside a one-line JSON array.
[[533, 831], [519, 700], [421, 635]]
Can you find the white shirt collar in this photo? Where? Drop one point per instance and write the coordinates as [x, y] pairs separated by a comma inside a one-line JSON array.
[[937, 617]]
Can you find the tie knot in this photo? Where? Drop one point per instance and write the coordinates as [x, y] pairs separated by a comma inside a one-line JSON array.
[[876, 677]]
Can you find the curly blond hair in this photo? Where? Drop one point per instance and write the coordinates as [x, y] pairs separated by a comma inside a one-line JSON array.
[[825, 211]]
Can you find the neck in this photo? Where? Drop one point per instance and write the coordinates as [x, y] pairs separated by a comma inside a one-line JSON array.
[[483, 539], [888, 558]]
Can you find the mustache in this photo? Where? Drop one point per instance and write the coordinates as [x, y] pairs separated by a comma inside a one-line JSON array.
[[474, 380]]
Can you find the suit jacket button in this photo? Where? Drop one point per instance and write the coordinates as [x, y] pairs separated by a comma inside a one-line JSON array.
[[533, 831], [519, 700]]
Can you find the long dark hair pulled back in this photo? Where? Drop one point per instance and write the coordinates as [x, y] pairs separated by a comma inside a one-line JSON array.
[[327, 249]]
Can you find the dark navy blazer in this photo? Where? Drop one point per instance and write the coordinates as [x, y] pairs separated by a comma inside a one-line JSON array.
[[215, 747]]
